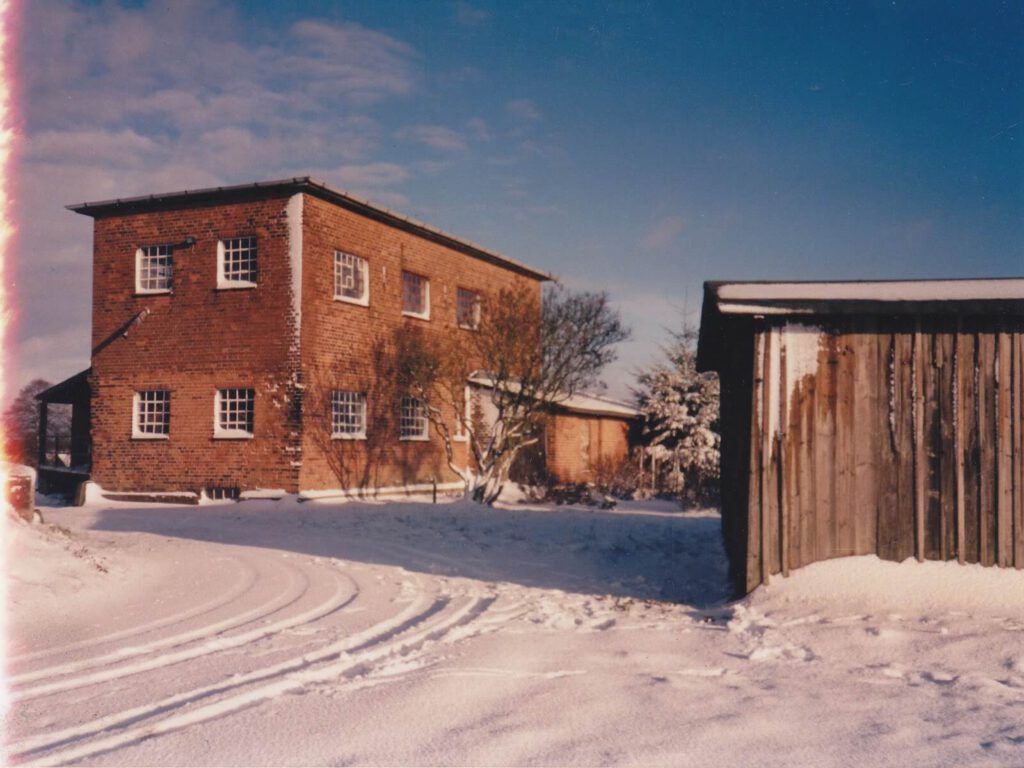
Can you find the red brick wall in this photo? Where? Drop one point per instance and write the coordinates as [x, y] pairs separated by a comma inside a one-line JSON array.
[[200, 339], [346, 346], [577, 445], [194, 341]]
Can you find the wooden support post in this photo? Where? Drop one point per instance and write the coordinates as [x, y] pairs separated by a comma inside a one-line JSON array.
[[766, 447], [780, 449], [41, 457]]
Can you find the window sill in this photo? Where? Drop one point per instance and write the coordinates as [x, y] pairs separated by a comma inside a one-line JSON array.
[[233, 435], [234, 285], [418, 439], [143, 436], [358, 302], [162, 292], [416, 315], [349, 437], [460, 439], [469, 327]]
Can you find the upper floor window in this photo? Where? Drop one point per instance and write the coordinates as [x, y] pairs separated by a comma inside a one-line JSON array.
[[415, 295], [348, 415], [351, 281], [412, 420], [154, 269], [233, 412], [467, 309], [151, 418], [236, 262]]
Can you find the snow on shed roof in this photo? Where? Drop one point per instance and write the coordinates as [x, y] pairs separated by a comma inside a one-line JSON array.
[[577, 403], [310, 185], [730, 294], [727, 304]]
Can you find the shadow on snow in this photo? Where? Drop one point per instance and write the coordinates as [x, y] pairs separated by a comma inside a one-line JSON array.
[[629, 555]]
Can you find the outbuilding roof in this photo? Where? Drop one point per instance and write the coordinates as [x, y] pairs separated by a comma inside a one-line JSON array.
[[262, 190], [726, 302], [576, 403]]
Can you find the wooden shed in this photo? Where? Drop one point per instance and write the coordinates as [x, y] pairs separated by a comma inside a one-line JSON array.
[[868, 418]]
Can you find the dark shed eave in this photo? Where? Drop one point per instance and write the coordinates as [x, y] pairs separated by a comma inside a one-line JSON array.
[[728, 305], [301, 184], [68, 391]]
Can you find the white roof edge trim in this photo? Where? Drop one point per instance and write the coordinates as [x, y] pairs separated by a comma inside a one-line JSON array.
[[578, 403], [892, 290]]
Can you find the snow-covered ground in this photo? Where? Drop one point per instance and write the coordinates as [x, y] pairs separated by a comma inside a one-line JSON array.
[[405, 633]]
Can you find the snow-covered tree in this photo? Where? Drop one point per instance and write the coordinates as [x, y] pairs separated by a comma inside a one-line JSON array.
[[680, 408], [523, 357]]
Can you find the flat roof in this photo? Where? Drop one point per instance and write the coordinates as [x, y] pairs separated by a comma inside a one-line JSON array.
[[300, 184]]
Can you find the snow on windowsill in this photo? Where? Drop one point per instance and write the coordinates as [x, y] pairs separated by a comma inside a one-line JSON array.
[[236, 435]]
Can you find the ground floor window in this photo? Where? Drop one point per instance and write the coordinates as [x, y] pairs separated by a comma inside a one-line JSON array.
[[412, 423], [233, 412], [348, 415], [152, 414]]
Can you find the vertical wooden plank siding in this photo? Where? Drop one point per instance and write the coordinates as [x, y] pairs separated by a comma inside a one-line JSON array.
[[945, 445], [754, 572], [1004, 453], [843, 449], [985, 375], [906, 441], [918, 374]]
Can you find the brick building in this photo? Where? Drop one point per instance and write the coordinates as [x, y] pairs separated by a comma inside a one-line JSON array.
[[586, 436], [242, 338]]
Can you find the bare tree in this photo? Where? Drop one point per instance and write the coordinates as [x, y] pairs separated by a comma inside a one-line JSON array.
[[492, 388]]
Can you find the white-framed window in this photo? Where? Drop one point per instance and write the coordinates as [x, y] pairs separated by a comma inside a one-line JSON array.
[[236, 262], [348, 415], [351, 279], [412, 420], [151, 414], [415, 295], [467, 309], [233, 411], [154, 269]]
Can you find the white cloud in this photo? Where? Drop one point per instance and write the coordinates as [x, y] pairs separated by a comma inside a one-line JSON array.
[[121, 101], [470, 16], [478, 129], [371, 175], [436, 137], [523, 110], [663, 233]]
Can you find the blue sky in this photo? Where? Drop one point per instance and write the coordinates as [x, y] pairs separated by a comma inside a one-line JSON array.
[[639, 148]]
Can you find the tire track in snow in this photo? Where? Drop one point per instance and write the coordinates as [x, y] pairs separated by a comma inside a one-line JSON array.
[[408, 631], [250, 576], [339, 599], [123, 654]]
